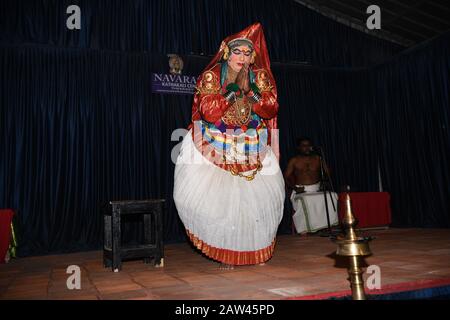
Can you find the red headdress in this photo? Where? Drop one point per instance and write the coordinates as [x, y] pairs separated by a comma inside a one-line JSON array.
[[255, 34]]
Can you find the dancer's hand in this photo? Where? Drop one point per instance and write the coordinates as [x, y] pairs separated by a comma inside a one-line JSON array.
[[242, 79]]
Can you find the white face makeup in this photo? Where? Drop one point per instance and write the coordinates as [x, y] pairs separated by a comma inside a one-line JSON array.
[[239, 56]]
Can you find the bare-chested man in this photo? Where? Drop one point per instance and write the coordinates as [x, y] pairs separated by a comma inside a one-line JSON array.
[[302, 175], [303, 169]]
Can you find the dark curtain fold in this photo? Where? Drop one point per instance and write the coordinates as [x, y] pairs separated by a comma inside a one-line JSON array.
[[412, 116], [331, 108], [80, 128], [293, 32]]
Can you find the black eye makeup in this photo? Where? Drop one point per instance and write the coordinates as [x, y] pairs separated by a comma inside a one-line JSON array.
[[238, 52]]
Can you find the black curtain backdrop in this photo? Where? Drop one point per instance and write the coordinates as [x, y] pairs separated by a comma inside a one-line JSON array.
[[80, 126], [293, 32], [411, 99]]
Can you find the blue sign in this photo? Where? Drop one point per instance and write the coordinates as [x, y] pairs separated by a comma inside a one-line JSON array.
[[173, 83]]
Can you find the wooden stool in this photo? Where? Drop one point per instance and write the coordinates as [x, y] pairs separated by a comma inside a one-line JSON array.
[[114, 252]]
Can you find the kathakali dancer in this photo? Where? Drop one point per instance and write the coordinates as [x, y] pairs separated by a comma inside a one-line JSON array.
[[228, 188]]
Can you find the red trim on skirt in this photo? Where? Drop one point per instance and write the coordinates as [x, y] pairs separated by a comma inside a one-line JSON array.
[[233, 257]]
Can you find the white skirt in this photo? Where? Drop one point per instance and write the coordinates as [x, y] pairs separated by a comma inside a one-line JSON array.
[[230, 219]]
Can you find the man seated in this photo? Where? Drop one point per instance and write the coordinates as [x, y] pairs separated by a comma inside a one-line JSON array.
[[303, 177]]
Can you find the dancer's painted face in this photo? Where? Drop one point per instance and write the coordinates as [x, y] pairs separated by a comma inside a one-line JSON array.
[[239, 56]]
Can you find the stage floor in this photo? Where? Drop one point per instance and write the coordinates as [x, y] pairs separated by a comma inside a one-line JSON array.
[[301, 266]]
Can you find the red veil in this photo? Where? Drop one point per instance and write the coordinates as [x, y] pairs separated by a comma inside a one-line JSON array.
[[256, 35]]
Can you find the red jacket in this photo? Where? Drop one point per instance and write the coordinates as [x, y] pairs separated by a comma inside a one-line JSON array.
[[210, 105]]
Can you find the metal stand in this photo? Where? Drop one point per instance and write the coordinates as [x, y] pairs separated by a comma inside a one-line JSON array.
[[327, 187]]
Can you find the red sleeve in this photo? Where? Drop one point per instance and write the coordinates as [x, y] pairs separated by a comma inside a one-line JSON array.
[[267, 107], [212, 106], [209, 104]]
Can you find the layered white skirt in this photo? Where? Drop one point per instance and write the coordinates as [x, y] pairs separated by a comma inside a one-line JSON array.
[[230, 219]]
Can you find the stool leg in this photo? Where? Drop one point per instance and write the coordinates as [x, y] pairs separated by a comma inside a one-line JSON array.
[[117, 259], [159, 259], [147, 233], [107, 263], [107, 241]]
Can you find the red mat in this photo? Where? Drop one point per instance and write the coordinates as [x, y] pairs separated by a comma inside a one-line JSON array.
[[6, 216]]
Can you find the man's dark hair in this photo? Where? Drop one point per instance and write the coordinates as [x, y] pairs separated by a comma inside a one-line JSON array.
[[301, 139]]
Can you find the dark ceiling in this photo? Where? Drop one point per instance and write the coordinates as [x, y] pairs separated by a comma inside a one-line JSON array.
[[406, 22]]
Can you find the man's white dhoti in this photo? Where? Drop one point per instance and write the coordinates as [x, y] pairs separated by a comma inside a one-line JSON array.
[[310, 212]]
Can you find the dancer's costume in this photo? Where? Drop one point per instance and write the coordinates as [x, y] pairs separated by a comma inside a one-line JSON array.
[[229, 190]]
